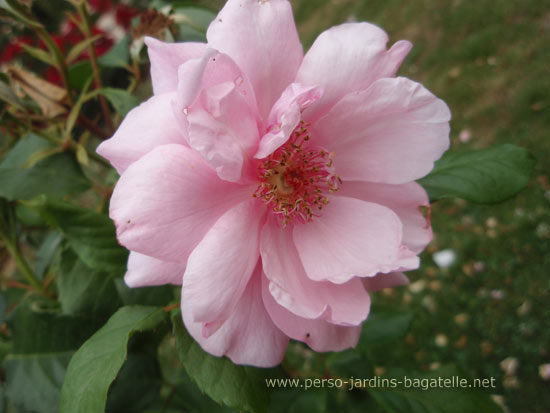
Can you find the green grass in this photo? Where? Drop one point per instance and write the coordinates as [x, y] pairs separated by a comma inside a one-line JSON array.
[[489, 61]]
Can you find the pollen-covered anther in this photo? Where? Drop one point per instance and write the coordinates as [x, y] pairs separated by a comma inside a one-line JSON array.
[[297, 178]]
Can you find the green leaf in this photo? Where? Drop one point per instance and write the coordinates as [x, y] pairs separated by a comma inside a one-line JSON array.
[[39, 329], [19, 12], [28, 216], [240, 387], [23, 150], [349, 363], [384, 324], [43, 343], [79, 73], [140, 377], [486, 176], [122, 101], [300, 400], [82, 155], [41, 155], [96, 364], [159, 295], [39, 54], [76, 109], [55, 176], [82, 290], [117, 56], [45, 253], [436, 399], [78, 48], [7, 94], [193, 20], [90, 234], [34, 381], [3, 303], [188, 398]]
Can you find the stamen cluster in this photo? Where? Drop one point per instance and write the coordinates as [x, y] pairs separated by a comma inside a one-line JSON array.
[[296, 179]]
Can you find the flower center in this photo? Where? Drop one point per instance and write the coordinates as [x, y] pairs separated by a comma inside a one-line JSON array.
[[295, 180]]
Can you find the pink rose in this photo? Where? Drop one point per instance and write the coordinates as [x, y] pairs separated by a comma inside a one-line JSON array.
[[277, 189]]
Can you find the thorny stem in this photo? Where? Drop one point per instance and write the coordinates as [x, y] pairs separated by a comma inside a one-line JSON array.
[[93, 62]]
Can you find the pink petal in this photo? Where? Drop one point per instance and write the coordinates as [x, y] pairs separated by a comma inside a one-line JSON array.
[[381, 281], [320, 335], [261, 37], [248, 336], [166, 202], [217, 108], [348, 58], [211, 69], [219, 268], [405, 200], [285, 116], [225, 132], [344, 304], [217, 145], [393, 132], [190, 82], [145, 271], [149, 125], [166, 58], [352, 238]]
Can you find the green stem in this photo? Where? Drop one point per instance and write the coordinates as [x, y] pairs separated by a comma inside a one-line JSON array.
[[93, 62], [15, 252], [56, 141], [72, 146], [51, 45], [60, 60]]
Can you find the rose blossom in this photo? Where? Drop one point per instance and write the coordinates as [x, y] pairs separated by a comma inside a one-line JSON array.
[[276, 188]]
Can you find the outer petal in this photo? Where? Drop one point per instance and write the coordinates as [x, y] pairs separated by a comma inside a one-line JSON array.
[[381, 281], [149, 125], [166, 202], [317, 334], [285, 116], [145, 271], [261, 37], [219, 268], [344, 304], [346, 58], [393, 132], [248, 336], [352, 238], [405, 200], [166, 58]]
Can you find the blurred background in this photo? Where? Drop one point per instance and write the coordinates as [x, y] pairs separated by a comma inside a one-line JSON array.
[[481, 298]]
